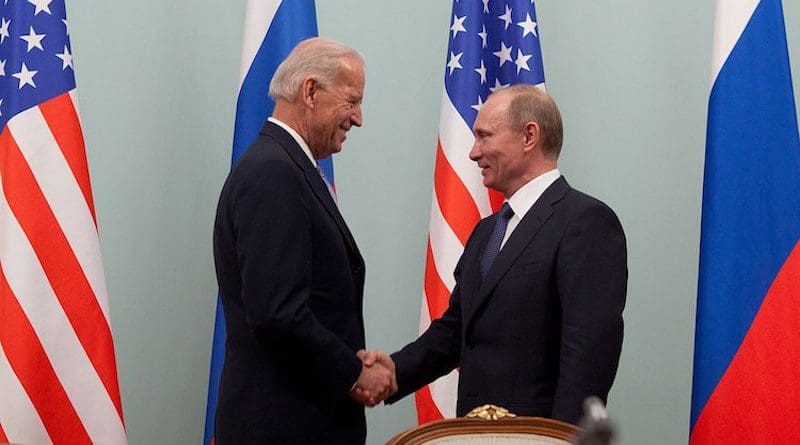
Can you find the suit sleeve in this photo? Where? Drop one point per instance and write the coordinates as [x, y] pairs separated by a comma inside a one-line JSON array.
[[438, 350], [592, 276], [274, 248], [435, 353]]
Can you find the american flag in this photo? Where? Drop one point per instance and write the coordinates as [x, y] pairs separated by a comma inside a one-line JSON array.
[[58, 376], [493, 44]]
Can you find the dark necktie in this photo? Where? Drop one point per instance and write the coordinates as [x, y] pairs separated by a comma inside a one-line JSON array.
[[327, 184], [495, 239]]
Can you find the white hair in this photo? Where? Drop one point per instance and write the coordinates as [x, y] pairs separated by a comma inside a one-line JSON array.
[[317, 57]]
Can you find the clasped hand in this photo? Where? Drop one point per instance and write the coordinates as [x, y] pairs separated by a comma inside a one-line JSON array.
[[377, 380]]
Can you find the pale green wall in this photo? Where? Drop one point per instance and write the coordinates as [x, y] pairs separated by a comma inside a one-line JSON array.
[[157, 80]]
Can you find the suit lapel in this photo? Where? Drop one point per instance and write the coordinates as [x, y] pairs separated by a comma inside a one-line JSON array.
[[315, 182], [469, 280], [522, 236]]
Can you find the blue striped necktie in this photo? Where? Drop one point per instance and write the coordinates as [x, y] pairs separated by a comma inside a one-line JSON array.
[[496, 238], [327, 184]]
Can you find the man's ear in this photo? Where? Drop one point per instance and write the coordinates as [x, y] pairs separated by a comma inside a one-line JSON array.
[[531, 134], [308, 91]]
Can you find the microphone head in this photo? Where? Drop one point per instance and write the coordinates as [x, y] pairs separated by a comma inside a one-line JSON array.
[[596, 426]]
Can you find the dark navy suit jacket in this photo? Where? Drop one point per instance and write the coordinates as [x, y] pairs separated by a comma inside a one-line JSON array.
[[544, 330], [291, 280]]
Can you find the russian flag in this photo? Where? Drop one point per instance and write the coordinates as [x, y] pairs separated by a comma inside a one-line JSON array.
[[746, 385], [272, 28]]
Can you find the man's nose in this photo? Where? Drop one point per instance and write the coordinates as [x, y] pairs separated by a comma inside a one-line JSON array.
[[474, 152]]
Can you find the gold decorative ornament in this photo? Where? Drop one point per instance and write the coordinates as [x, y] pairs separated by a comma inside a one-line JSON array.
[[490, 412]]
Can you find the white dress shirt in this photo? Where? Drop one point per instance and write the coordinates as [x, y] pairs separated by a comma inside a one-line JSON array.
[[523, 199], [296, 137]]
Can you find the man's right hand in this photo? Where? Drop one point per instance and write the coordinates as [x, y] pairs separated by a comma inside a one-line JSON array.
[[377, 380]]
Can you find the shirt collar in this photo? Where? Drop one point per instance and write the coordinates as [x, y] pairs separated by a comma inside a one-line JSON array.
[[296, 137], [527, 195]]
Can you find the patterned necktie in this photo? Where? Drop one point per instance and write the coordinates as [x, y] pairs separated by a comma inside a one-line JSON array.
[[327, 184], [495, 239]]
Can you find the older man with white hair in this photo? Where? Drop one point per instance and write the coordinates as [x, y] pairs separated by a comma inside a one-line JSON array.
[[289, 271]]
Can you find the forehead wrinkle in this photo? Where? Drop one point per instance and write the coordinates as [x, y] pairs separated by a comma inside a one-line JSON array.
[[495, 118]]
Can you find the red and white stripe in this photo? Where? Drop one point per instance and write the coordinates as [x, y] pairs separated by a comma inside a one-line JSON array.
[[459, 201], [58, 375]]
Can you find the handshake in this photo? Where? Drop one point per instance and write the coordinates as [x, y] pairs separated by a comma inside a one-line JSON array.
[[377, 380]]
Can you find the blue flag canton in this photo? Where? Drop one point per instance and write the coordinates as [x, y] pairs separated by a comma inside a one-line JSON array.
[[35, 54], [493, 44]]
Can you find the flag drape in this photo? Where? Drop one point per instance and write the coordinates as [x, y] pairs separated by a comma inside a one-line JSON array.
[[58, 374], [492, 45], [272, 28], [747, 341]]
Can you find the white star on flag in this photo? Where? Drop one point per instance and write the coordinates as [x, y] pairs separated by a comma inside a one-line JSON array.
[[485, 6], [528, 26], [2, 67], [506, 17], [504, 54], [477, 106], [458, 25], [66, 58], [4, 29], [498, 86], [41, 5], [34, 40], [454, 63], [483, 36], [522, 61], [25, 76], [482, 72]]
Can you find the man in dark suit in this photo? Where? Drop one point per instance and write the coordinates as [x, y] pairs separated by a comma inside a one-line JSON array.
[[535, 327], [290, 274]]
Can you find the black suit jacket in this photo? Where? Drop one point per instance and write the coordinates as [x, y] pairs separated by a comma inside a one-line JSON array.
[[544, 330], [291, 280]]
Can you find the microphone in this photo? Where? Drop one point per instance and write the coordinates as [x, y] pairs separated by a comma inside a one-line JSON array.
[[596, 426]]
